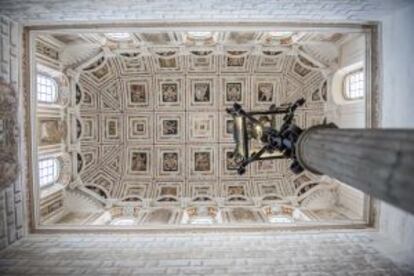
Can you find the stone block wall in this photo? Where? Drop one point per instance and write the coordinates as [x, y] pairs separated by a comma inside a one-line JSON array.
[[81, 10], [200, 254], [11, 198]]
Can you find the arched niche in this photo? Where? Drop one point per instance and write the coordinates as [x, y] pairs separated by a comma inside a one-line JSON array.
[[79, 162], [97, 190], [319, 199], [78, 94]]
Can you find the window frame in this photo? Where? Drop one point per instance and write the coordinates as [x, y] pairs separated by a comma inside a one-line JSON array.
[[346, 94], [55, 173], [54, 94]]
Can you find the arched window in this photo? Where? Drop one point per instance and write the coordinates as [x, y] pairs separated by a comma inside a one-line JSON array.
[[47, 89], [353, 86], [48, 171]]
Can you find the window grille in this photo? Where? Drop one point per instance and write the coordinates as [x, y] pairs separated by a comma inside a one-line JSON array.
[[48, 171], [354, 85], [46, 89]]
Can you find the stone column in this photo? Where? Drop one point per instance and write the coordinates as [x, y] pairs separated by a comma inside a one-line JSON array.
[[379, 162]]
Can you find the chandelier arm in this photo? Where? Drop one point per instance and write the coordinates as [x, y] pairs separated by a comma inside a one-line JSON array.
[[278, 110], [254, 157]]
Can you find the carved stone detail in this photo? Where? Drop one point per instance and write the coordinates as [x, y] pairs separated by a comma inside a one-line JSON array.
[[8, 135]]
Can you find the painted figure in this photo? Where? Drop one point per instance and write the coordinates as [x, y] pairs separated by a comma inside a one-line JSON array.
[[139, 161], [170, 162], [265, 92], [202, 161], [202, 92], [137, 93], [233, 92], [169, 92]]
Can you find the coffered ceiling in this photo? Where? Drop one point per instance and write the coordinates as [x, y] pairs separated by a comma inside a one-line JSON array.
[[148, 116]]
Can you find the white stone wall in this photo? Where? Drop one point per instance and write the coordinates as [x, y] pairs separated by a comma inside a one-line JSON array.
[[398, 111], [347, 114], [199, 254], [11, 198], [46, 10]]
